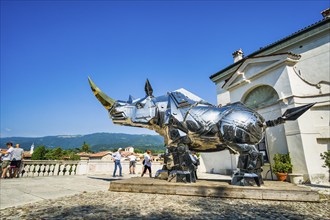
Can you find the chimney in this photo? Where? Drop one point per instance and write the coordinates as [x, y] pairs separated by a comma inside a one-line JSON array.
[[238, 55], [326, 13]]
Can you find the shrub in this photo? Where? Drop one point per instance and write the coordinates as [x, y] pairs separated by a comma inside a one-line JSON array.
[[282, 163], [326, 157]]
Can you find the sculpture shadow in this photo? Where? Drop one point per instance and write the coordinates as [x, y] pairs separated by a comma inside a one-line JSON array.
[[107, 179], [206, 209], [201, 208], [215, 180], [319, 186]]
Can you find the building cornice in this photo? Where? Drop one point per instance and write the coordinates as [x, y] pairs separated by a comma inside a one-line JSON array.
[[302, 34], [277, 59]]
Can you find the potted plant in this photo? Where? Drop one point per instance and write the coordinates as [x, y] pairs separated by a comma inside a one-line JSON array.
[[326, 157], [282, 166]]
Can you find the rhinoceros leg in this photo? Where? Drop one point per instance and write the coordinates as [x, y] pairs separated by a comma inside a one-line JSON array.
[[250, 164], [179, 164]]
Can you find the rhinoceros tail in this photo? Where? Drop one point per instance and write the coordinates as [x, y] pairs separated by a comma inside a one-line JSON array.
[[290, 114]]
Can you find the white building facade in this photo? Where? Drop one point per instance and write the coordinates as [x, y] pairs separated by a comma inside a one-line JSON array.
[[291, 72]]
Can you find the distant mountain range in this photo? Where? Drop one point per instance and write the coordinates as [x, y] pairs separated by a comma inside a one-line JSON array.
[[97, 141]]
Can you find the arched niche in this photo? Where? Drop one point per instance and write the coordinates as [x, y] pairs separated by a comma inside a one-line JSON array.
[[260, 96]]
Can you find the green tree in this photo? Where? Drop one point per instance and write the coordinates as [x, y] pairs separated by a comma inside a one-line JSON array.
[[73, 156], [49, 155], [76, 150], [39, 153], [85, 147], [138, 151], [58, 153], [54, 154]]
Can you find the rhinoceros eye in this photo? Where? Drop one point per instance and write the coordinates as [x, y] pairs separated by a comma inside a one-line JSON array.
[[139, 105]]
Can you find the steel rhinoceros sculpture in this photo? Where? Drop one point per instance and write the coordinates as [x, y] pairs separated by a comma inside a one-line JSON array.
[[189, 123]]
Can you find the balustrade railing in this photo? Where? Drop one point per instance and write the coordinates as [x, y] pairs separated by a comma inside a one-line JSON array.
[[38, 168], [32, 168]]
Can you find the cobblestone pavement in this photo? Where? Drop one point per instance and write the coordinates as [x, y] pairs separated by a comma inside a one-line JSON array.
[[121, 205]]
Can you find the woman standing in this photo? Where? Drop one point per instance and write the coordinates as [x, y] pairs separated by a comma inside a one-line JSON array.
[[147, 163]]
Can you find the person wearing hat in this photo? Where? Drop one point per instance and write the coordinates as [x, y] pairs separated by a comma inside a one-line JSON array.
[[117, 157]]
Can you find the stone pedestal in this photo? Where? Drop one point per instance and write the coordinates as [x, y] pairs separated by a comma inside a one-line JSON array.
[[296, 178]]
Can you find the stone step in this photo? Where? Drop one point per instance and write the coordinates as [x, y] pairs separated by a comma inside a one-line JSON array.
[[271, 190]]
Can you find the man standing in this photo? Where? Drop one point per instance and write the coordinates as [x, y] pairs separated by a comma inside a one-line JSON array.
[[117, 157], [132, 163], [16, 160], [7, 154]]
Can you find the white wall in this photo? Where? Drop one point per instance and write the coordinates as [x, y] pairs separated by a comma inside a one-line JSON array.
[[315, 53], [218, 162], [275, 142], [314, 134]]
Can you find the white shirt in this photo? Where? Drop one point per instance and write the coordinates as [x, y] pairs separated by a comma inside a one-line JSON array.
[[147, 160], [116, 156], [132, 158], [17, 154], [9, 154]]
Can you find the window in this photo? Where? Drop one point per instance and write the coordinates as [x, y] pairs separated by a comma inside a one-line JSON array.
[[260, 97]]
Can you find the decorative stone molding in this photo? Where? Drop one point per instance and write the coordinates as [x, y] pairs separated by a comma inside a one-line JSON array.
[[326, 13]]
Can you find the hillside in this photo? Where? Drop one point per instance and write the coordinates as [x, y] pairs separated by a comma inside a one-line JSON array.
[[97, 141]]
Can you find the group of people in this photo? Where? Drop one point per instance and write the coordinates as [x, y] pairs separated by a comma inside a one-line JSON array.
[[11, 160], [132, 162], [146, 162]]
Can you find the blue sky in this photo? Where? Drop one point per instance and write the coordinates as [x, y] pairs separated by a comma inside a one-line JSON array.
[[48, 48]]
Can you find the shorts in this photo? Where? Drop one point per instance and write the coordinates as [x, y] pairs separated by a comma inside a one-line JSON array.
[[132, 163], [15, 163], [5, 164]]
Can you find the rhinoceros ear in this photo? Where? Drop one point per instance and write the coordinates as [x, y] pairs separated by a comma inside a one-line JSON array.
[[130, 99], [148, 88]]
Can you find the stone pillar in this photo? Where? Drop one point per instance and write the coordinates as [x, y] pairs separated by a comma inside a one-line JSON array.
[[82, 168]]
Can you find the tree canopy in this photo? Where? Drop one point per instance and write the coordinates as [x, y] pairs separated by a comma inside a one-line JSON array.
[[42, 153]]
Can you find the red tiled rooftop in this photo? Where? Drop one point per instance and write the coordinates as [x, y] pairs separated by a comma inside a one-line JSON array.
[[27, 154], [83, 154], [100, 154]]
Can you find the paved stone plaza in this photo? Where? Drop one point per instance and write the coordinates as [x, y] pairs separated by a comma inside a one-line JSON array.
[[82, 197]]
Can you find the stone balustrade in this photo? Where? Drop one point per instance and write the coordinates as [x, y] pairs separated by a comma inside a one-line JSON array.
[[34, 168]]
